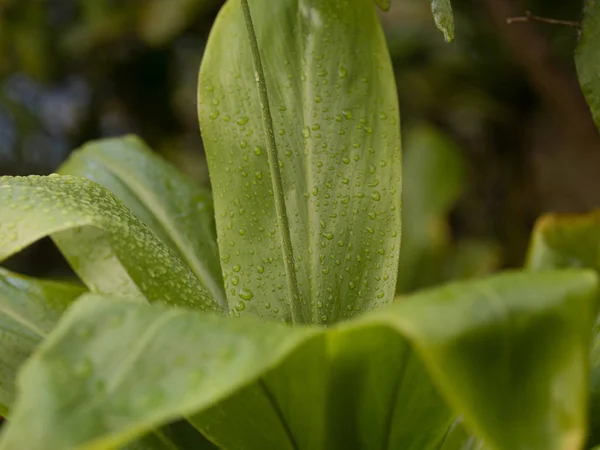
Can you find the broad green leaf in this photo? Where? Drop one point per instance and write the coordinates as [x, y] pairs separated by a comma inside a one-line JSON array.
[[587, 57], [29, 309], [384, 4], [485, 345], [444, 18], [560, 241], [333, 102], [178, 211], [435, 174], [107, 246]]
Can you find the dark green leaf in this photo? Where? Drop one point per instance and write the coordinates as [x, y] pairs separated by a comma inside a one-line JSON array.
[[29, 309], [334, 106], [444, 18], [487, 345], [108, 247], [178, 211], [587, 57]]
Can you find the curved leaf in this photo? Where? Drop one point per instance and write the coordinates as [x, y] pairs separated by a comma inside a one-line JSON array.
[[508, 353], [178, 211], [334, 106], [444, 18], [560, 241], [108, 247], [587, 58], [29, 309]]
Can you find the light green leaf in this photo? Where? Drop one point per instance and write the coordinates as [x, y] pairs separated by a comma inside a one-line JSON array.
[[107, 246], [384, 4], [587, 58], [29, 309], [178, 211], [560, 241], [444, 18], [334, 107], [486, 345]]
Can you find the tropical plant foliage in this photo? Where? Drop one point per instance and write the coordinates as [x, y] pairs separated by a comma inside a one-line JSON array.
[[283, 333]]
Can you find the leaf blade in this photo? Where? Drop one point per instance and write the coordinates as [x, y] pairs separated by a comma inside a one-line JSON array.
[[444, 18], [108, 247], [322, 144], [586, 58], [29, 308], [547, 308], [178, 211]]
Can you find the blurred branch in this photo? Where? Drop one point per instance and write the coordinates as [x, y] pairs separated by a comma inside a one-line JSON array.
[[529, 17], [560, 90]]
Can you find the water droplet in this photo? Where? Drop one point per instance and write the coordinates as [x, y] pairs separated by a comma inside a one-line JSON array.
[[246, 294], [242, 120], [306, 132]]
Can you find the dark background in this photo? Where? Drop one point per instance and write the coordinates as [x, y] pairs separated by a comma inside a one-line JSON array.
[[496, 131]]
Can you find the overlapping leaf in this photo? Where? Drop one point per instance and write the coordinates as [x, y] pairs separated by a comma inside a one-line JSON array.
[[29, 309], [508, 353], [587, 57], [108, 247], [178, 211], [334, 107], [561, 241]]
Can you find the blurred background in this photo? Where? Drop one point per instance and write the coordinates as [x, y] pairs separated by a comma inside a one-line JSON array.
[[496, 131]]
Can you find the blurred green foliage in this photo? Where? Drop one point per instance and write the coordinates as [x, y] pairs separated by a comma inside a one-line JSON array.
[[493, 134]]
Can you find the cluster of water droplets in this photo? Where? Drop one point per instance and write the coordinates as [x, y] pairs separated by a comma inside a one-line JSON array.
[[112, 251]]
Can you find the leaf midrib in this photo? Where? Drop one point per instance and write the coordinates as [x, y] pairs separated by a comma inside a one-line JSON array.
[[154, 205]]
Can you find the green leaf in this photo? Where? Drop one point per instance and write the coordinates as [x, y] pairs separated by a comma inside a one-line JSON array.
[[560, 241], [29, 309], [334, 106], [384, 4], [486, 345], [178, 211], [107, 246], [444, 18], [435, 175], [587, 58]]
